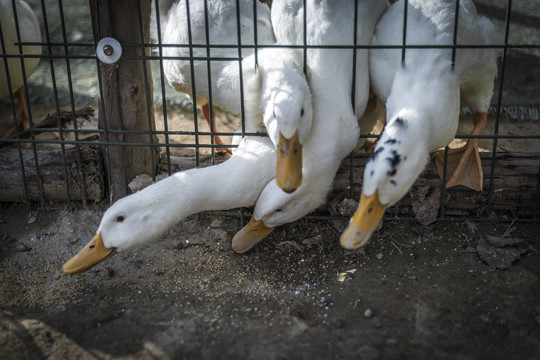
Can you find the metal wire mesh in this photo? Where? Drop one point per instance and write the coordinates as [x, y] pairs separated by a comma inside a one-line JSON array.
[[69, 78]]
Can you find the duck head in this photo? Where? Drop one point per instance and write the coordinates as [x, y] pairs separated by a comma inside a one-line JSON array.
[[128, 224], [287, 116], [391, 170]]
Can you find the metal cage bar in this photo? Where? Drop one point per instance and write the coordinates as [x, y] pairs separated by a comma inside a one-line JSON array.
[[61, 49]]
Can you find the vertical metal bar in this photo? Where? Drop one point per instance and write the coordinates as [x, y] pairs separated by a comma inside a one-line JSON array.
[[209, 79], [239, 46], [6, 65], [353, 93], [116, 100], [57, 104], [304, 36], [193, 87], [255, 36], [72, 103], [241, 78], [14, 111], [149, 101], [456, 21], [499, 106], [442, 205], [403, 51], [27, 98], [163, 93], [537, 197], [102, 115], [404, 42], [120, 128]]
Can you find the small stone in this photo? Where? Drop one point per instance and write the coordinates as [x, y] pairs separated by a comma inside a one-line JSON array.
[[380, 256], [391, 342], [32, 217], [367, 352], [324, 303], [368, 313], [23, 247], [347, 207]]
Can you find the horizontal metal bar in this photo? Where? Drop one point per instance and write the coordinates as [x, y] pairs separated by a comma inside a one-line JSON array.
[[113, 143], [136, 132], [292, 46], [230, 133]]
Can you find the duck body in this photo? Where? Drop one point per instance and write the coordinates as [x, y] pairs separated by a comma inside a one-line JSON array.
[[267, 86], [222, 30], [422, 96], [139, 218], [335, 131], [29, 31]]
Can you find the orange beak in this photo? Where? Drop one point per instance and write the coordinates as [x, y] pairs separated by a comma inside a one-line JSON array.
[[250, 235], [364, 222], [289, 163], [92, 254]]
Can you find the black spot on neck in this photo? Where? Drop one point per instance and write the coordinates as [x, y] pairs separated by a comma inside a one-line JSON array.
[[399, 122], [394, 160], [376, 153], [391, 141], [393, 182]]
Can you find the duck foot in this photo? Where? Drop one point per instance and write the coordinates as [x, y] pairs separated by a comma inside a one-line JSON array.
[[250, 235], [464, 166], [23, 121], [205, 109]]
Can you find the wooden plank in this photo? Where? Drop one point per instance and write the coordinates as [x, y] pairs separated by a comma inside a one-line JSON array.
[[124, 105], [514, 186], [51, 174], [515, 181]]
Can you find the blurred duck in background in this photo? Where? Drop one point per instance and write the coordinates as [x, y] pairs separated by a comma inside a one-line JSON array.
[[28, 32]]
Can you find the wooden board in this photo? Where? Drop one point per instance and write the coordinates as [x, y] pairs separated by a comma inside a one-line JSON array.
[[515, 181], [127, 94], [50, 177], [515, 186]]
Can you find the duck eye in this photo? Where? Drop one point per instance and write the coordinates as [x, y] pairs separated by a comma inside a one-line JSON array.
[[120, 218], [302, 112]]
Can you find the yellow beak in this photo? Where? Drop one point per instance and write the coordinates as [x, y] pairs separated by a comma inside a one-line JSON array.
[[92, 254], [250, 235], [364, 222], [289, 163]]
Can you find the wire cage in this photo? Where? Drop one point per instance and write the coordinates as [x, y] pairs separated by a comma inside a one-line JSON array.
[[99, 118]]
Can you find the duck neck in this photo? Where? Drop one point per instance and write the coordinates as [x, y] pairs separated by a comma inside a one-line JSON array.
[[428, 99], [234, 183]]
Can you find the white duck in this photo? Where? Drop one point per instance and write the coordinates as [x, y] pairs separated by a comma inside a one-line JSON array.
[[335, 130], [275, 91], [422, 98], [29, 31], [143, 216]]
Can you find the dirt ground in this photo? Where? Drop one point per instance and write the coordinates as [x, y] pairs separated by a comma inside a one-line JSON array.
[[442, 292], [452, 290]]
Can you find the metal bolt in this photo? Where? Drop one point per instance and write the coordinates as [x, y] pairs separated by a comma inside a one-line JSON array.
[[108, 50]]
